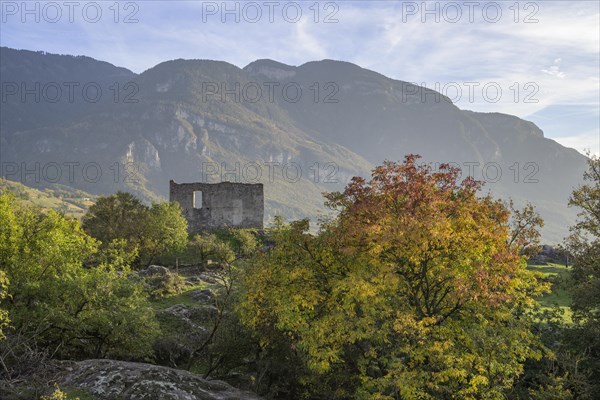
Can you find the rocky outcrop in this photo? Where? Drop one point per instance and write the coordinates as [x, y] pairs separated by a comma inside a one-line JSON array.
[[154, 270], [191, 317], [203, 296], [112, 380]]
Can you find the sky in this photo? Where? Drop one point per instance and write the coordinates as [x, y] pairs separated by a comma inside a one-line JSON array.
[[539, 60]]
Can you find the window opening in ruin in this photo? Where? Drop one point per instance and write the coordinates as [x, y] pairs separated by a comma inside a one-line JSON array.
[[198, 199]]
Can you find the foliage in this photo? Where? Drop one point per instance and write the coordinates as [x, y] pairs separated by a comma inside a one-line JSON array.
[[69, 308], [164, 285], [116, 217], [231, 347], [570, 367], [216, 247], [4, 320], [224, 343], [58, 395], [583, 246], [525, 225], [413, 291], [244, 241], [225, 279], [149, 231], [208, 247], [165, 229]]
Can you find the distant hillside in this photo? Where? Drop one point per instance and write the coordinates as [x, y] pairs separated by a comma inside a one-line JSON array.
[[71, 202], [347, 119]]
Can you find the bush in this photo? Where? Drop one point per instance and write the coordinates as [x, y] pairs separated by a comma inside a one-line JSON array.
[[164, 284], [58, 395]]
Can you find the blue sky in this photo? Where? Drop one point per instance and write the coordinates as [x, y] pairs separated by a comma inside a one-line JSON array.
[[537, 60]]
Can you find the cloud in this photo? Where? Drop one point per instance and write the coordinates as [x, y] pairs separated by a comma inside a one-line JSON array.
[[307, 43], [554, 70]]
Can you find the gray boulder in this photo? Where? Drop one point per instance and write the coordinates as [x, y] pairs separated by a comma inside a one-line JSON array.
[[203, 296], [112, 380], [207, 277], [192, 280], [154, 270]]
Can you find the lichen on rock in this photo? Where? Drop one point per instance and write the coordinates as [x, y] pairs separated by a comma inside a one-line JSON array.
[[120, 380]]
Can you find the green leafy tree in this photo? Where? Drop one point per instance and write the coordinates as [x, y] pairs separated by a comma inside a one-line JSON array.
[[208, 247], [66, 307], [9, 230], [4, 320], [148, 231], [164, 230], [116, 217], [411, 292], [583, 246], [245, 241]]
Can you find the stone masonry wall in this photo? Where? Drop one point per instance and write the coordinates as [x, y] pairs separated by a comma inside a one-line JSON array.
[[225, 204]]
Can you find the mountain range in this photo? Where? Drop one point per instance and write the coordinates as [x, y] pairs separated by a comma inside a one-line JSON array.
[[301, 130]]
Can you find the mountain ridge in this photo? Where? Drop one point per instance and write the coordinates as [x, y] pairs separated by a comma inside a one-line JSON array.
[[346, 120]]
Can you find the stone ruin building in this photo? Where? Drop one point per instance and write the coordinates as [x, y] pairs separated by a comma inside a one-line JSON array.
[[209, 206]]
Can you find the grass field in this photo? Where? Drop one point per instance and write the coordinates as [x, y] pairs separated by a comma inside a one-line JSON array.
[[559, 275]]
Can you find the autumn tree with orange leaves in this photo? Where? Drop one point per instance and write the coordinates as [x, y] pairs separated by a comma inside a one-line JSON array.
[[412, 291]]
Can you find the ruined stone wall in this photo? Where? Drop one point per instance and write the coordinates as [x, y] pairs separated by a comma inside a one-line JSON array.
[[225, 204]]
